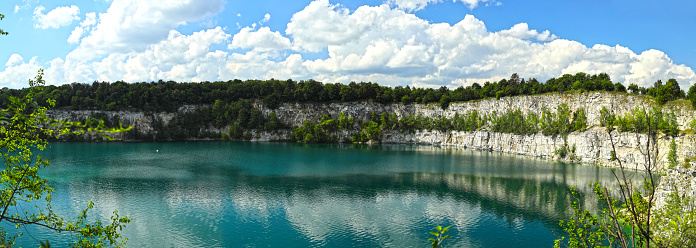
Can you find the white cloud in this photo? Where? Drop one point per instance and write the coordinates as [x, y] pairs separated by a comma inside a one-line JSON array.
[[379, 44], [179, 57], [262, 39], [17, 73], [56, 18], [320, 24], [14, 60], [75, 35], [85, 26], [411, 5], [521, 31], [389, 44], [132, 25], [26, 4], [416, 5], [266, 18], [90, 19]]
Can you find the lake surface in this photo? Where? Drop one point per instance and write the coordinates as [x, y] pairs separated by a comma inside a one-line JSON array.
[[228, 194]]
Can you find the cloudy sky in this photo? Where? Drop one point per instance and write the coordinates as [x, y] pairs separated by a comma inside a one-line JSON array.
[[425, 43]]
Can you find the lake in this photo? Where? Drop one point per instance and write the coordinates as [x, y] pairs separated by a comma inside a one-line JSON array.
[[241, 194]]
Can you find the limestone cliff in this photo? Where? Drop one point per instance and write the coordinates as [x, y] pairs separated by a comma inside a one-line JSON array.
[[591, 146], [618, 103]]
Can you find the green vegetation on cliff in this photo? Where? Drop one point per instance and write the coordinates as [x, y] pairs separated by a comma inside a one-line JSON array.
[[229, 110], [169, 96]]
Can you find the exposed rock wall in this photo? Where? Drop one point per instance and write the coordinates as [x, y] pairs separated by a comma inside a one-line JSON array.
[[618, 103], [679, 180], [591, 146]]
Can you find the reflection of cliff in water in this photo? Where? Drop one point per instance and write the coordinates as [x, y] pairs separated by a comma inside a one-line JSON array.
[[543, 197], [324, 193]]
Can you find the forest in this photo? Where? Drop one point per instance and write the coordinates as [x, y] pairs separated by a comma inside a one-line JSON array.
[[229, 105], [169, 96]]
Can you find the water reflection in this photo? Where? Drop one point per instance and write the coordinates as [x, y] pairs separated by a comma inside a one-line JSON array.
[[288, 195]]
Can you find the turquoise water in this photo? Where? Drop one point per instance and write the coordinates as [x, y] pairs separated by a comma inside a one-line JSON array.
[[227, 194]]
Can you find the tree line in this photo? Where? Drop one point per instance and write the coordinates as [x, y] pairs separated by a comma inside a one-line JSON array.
[[169, 96]]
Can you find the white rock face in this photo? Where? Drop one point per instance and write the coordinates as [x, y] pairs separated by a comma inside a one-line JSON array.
[[592, 146], [619, 104], [679, 180]]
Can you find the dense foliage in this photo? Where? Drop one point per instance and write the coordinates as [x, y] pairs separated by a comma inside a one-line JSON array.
[[512, 121], [169, 96], [231, 105], [25, 197], [640, 121], [550, 123], [631, 218]]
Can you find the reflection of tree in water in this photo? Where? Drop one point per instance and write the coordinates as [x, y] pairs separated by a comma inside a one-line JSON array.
[[327, 196], [509, 198]]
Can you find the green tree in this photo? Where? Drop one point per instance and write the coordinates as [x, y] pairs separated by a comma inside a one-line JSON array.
[[1, 31], [445, 101], [25, 197], [691, 96], [633, 88], [672, 155], [373, 132], [562, 122], [579, 120], [606, 118], [630, 220]]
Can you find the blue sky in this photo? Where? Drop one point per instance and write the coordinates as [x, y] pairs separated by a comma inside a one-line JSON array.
[[425, 43]]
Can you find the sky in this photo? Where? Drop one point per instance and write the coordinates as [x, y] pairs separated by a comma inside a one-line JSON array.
[[422, 43]]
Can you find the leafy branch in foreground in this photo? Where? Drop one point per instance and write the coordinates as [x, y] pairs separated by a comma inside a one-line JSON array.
[[23, 128], [2, 32], [630, 219], [439, 236]]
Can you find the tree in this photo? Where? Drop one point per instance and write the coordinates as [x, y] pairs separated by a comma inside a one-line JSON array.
[[633, 88], [672, 155], [24, 127], [633, 222], [1, 31]]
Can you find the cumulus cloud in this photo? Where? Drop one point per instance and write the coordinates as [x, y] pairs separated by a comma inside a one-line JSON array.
[[132, 25], [389, 44], [56, 18], [380, 44], [85, 26], [522, 31], [321, 24], [90, 19], [75, 35], [178, 57], [17, 72], [262, 39], [266, 18]]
